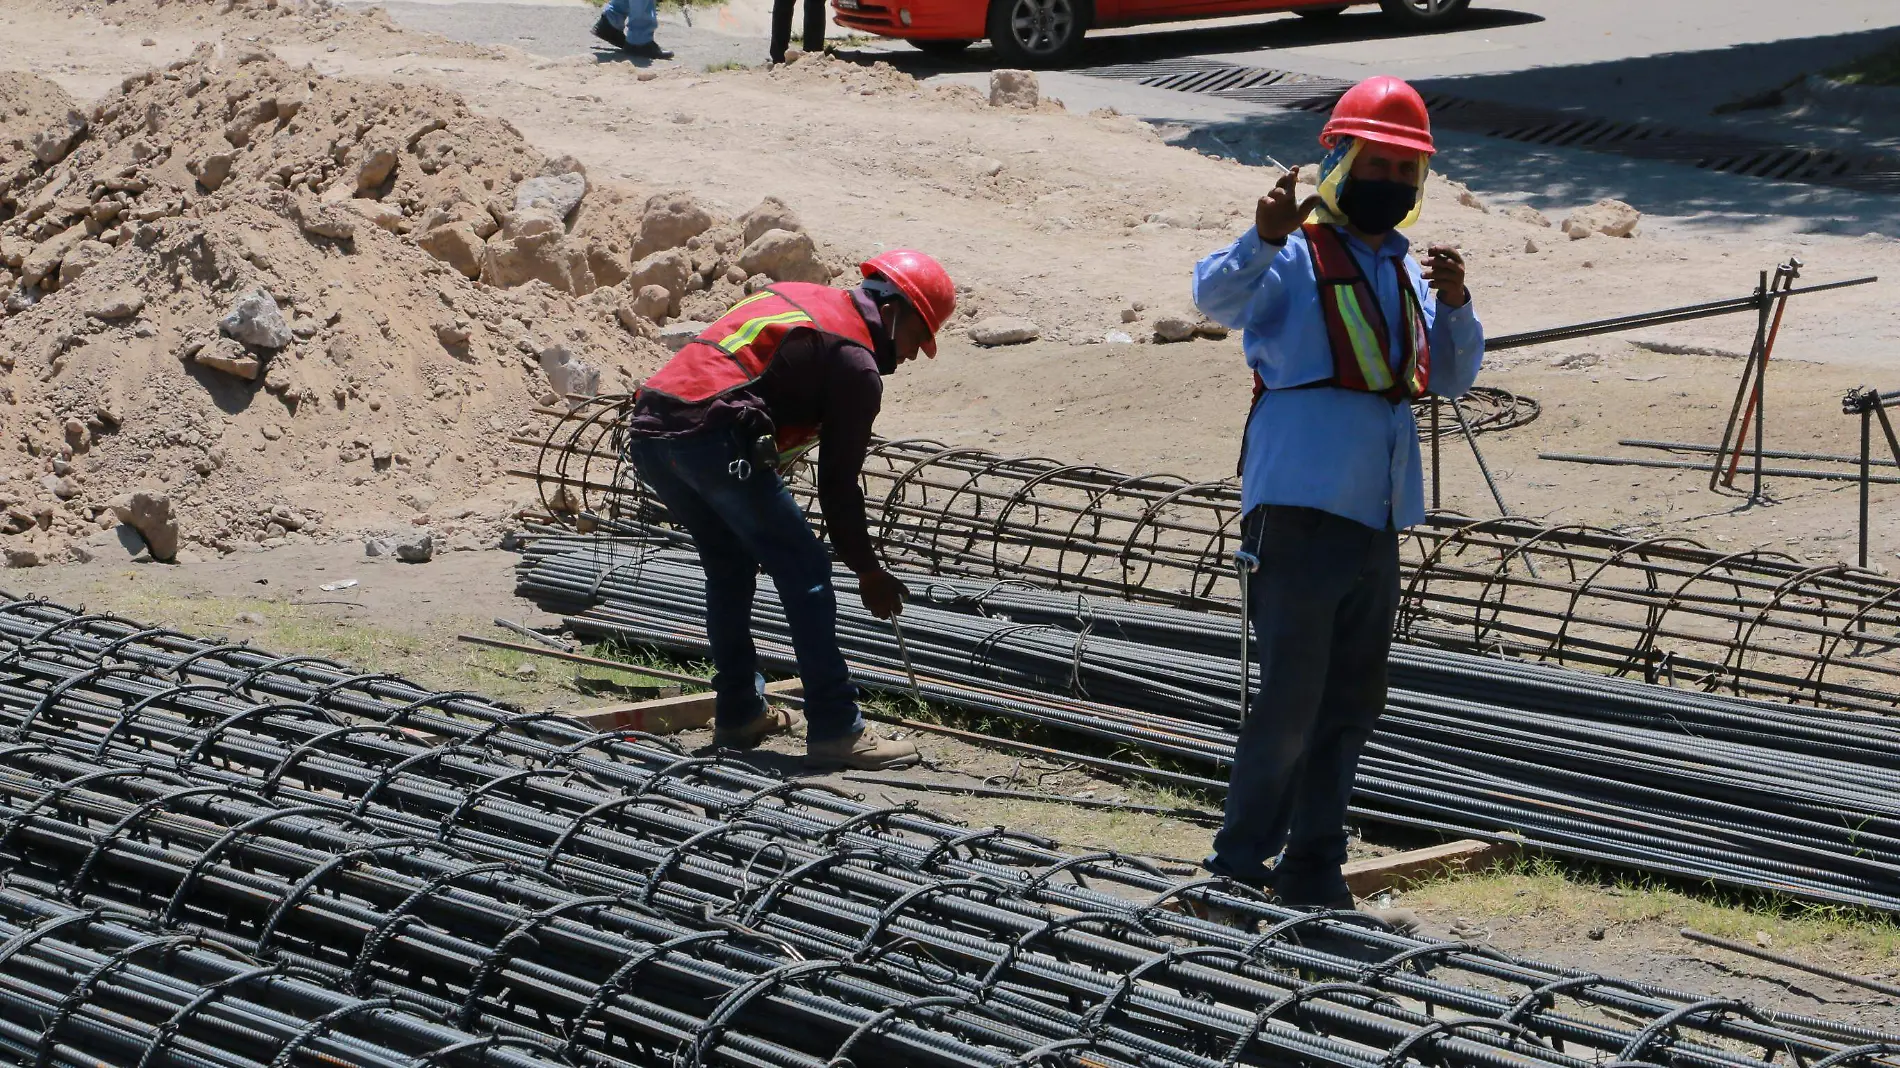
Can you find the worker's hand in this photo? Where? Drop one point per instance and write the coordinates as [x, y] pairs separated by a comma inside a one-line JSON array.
[[882, 593], [1278, 213], [1445, 270]]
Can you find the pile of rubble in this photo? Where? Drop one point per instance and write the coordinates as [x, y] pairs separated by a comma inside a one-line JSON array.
[[247, 304]]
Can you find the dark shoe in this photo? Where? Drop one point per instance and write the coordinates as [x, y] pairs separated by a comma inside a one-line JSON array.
[[606, 32], [1261, 880], [749, 735], [650, 50]]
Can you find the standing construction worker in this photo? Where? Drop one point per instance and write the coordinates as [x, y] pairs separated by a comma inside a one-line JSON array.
[[1342, 328], [711, 433], [813, 38]]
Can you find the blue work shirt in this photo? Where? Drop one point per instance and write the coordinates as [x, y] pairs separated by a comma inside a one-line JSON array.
[[1347, 452]]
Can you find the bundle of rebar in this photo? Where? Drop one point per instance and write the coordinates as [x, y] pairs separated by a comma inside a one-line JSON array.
[[1694, 787], [1665, 609], [618, 901]]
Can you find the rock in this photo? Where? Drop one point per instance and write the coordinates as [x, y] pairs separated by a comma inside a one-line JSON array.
[[547, 257], [558, 194], [50, 145], [1470, 200], [1174, 328], [1004, 330], [1611, 218], [784, 256], [651, 302], [1129, 315], [60, 486], [676, 336], [456, 245], [150, 513], [81, 259], [533, 221], [116, 304], [771, 214], [1014, 88], [376, 166], [256, 321], [1530, 244], [387, 216], [228, 356], [324, 220], [381, 453], [669, 270], [1208, 328], [45, 258], [378, 546], [669, 220], [1524, 213], [983, 166], [416, 550], [453, 335], [568, 376], [23, 557], [212, 170]]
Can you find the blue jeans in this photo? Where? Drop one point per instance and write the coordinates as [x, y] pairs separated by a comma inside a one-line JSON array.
[[1322, 606], [636, 19], [740, 526]]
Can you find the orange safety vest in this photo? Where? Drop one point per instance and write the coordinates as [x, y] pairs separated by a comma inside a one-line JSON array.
[[1355, 330], [735, 351]]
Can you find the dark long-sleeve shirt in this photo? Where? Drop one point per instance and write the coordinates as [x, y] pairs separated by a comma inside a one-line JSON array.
[[813, 380]]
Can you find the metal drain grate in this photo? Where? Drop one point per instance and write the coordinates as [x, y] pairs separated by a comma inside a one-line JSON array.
[[1539, 126]]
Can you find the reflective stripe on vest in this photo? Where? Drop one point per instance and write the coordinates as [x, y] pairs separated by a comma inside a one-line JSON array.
[[1356, 330], [735, 350]]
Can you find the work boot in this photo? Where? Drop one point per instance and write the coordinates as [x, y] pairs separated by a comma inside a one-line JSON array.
[[650, 50], [862, 751], [605, 31], [749, 735]]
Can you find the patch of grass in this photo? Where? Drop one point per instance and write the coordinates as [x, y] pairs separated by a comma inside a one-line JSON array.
[[730, 64], [1557, 893], [1881, 67]]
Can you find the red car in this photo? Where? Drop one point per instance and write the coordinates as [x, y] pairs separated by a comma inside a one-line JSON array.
[[1048, 33]]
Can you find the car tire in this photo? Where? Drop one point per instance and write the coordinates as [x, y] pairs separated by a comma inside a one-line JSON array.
[[1419, 14], [941, 47], [1321, 12], [1037, 33]]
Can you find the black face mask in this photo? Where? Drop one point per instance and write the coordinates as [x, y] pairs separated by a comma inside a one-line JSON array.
[[1374, 207]]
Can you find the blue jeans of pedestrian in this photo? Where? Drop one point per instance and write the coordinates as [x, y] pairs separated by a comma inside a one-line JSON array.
[[740, 526], [1322, 605], [635, 19]]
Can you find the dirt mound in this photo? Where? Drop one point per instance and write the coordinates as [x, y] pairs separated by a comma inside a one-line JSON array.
[[299, 306]]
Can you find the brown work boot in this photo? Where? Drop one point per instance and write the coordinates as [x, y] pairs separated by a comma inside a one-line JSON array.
[[749, 735], [862, 751], [1402, 921]]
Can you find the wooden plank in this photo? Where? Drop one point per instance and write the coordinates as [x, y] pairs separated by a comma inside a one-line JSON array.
[[668, 715], [1368, 877]]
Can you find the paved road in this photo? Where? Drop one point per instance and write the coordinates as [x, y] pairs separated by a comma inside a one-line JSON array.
[[1663, 61]]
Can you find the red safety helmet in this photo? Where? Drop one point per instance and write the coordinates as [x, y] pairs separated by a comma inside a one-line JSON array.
[[924, 283], [1383, 109]]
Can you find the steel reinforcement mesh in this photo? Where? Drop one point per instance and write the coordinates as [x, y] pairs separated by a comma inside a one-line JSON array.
[[1667, 609], [556, 892]]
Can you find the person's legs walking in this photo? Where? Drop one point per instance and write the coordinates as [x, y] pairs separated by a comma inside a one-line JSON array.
[[814, 25], [1293, 598], [643, 17], [781, 30], [611, 25], [1310, 874]]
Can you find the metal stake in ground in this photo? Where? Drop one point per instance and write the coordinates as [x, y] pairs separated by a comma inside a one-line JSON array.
[[903, 651]]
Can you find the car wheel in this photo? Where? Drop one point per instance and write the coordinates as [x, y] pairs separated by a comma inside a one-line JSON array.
[[1037, 33], [950, 47], [1422, 13], [1320, 12]]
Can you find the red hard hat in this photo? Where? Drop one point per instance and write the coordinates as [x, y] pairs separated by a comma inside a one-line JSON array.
[[924, 283], [1383, 109]]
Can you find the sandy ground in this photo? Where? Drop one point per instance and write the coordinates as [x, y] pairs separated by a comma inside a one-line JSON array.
[[1084, 217]]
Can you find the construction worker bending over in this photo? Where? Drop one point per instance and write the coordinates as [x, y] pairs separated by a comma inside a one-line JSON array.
[[711, 433], [1342, 329]]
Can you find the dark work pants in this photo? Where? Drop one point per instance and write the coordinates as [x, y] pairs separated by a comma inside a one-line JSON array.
[[1322, 606], [740, 525], [782, 27]]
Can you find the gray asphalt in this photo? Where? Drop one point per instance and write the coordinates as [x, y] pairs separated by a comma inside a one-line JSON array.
[[1663, 61]]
